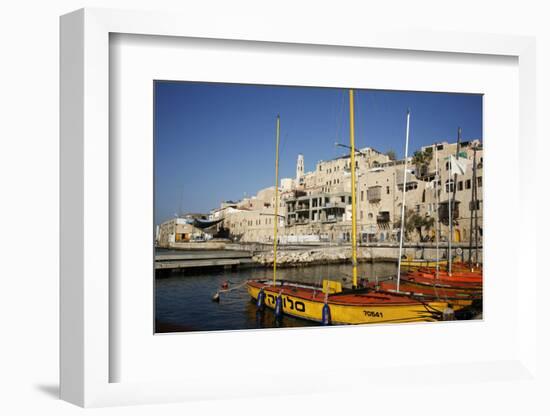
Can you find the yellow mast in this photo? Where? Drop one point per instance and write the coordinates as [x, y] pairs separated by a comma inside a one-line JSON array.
[[276, 205], [353, 219]]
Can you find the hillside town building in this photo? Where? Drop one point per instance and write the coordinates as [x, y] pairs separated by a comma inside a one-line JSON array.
[[316, 206]]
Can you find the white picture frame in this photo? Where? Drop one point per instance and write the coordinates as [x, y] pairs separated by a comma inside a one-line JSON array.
[[86, 355]]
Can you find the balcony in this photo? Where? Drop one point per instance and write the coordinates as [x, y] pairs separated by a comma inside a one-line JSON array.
[[424, 171], [383, 217], [444, 212], [328, 205], [332, 218], [374, 193]]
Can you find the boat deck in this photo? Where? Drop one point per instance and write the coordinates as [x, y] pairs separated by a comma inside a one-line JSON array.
[[357, 297]]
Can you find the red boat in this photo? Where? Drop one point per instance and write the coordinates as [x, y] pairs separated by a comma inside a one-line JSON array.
[[458, 280], [465, 267], [459, 298]]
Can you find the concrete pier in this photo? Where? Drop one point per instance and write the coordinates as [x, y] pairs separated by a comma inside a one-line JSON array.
[[192, 259]]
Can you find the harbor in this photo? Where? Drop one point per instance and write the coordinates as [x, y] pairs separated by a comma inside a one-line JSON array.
[[364, 238], [183, 301], [183, 298]]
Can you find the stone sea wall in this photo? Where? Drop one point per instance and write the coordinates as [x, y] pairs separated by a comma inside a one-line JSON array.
[[334, 255]]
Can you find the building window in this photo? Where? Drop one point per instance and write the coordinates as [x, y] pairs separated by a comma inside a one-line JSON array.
[[387, 190], [460, 185], [479, 181], [362, 198], [468, 183]]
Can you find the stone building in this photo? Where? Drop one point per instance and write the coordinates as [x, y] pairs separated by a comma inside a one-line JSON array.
[[380, 194], [252, 219], [321, 206], [177, 230], [316, 206]]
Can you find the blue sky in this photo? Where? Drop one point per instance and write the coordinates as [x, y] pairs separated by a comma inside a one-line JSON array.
[[216, 142]]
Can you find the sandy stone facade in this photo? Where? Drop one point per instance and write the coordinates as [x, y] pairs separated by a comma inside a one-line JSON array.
[[177, 230], [316, 206]]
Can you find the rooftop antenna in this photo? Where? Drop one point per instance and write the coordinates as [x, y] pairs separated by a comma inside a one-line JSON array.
[[179, 214]]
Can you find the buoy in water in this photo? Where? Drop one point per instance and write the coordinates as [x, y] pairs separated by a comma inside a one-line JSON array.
[[279, 307], [225, 284], [260, 302], [326, 315], [216, 297]]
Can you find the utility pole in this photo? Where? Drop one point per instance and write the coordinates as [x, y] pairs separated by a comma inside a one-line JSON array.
[[472, 208]]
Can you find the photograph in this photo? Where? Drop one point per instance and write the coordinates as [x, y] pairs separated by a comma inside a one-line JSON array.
[[290, 206], [233, 207]]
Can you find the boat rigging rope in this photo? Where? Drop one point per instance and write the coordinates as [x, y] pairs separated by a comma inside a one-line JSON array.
[[216, 297], [233, 288]]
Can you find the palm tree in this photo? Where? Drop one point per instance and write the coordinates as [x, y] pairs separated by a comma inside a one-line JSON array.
[[409, 224], [428, 224], [415, 222], [422, 159], [391, 154]]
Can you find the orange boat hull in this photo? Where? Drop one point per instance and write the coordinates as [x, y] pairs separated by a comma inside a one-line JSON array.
[[457, 298], [458, 280]]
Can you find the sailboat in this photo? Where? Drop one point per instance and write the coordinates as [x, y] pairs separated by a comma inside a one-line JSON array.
[[457, 280], [425, 280], [458, 298], [414, 264], [457, 276], [330, 303]]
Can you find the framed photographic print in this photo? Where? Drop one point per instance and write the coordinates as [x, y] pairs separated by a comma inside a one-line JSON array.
[[289, 207], [330, 245]]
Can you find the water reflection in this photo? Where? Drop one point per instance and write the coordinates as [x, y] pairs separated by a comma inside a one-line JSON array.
[[183, 302]]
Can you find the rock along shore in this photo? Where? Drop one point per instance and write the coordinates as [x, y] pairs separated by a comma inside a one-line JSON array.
[[325, 255]]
